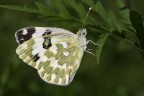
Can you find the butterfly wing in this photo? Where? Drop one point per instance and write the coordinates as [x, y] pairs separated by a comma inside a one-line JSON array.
[[61, 67], [27, 33], [26, 52], [54, 52]]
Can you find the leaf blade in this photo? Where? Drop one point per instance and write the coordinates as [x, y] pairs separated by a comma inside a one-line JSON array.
[[101, 41]]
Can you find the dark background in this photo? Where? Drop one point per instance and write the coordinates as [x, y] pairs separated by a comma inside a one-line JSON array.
[[120, 72]]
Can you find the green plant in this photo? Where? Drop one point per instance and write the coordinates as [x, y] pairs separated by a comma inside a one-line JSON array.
[[106, 23]]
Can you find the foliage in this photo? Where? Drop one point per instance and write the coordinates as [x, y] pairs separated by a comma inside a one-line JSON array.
[[111, 23], [120, 24]]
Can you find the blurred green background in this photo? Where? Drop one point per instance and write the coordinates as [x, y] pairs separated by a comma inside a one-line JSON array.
[[120, 72]]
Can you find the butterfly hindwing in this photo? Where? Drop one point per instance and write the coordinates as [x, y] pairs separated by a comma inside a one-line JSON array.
[[60, 68]]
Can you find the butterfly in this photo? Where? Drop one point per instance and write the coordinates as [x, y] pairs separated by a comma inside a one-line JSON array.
[[55, 53]]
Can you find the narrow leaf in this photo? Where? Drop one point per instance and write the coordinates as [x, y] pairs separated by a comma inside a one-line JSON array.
[[63, 12], [137, 24], [115, 23], [78, 7], [123, 11], [24, 8], [90, 3], [99, 8], [42, 9], [101, 41]]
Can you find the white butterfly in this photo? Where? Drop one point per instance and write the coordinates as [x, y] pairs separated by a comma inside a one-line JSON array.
[[56, 53]]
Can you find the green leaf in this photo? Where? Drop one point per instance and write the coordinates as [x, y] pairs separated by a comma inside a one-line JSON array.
[[136, 20], [63, 12], [79, 8], [90, 3], [39, 8], [101, 41], [42, 9], [115, 23], [24, 8], [67, 11], [123, 11], [99, 17], [99, 8]]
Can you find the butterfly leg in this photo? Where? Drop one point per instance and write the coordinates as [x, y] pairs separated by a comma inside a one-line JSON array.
[[90, 41], [90, 52]]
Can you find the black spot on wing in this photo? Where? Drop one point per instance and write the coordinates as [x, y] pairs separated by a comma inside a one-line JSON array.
[[47, 40], [46, 33], [30, 30], [24, 37], [47, 43], [36, 58]]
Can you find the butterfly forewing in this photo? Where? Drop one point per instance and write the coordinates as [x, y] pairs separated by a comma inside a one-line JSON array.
[[26, 50], [54, 52], [27, 33]]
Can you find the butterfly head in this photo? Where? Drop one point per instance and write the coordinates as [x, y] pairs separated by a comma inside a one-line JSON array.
[[82, 38]]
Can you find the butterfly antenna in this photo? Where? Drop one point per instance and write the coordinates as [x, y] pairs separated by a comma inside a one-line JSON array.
[[86, 17]]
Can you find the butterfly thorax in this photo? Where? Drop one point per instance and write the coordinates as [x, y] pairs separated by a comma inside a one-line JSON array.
[[82, 38]]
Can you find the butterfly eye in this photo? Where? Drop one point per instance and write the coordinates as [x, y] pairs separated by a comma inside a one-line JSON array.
[[83, 32]]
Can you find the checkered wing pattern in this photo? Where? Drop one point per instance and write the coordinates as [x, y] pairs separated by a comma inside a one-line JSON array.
[[56, 53]]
